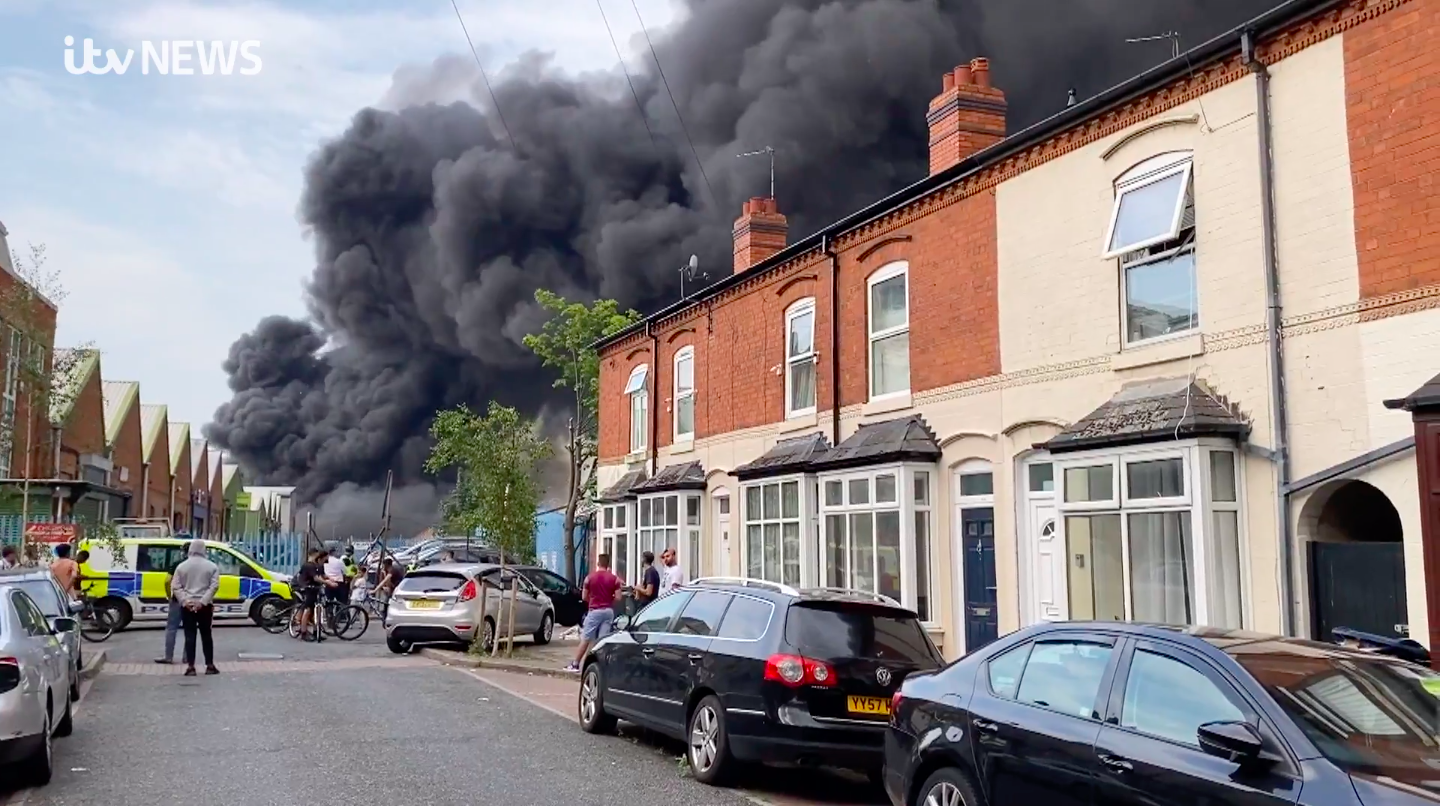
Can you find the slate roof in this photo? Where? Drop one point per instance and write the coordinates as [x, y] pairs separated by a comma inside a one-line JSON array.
[[118, 397], [152, 419], [792, 455], [1171, 408], [621, 490], [1425, 398], [907, 439], [689, 476], [179, 437]]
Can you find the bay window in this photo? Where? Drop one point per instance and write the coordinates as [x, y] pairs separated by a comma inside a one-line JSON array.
[[774, 527], [670, 521], [800, 359], [684, 394], [889, 328], [636, 391], [615, 531], [1145, 541], [876, 532]]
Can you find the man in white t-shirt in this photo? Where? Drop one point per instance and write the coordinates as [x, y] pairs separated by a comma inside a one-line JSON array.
[[335, 572], [672, 576]]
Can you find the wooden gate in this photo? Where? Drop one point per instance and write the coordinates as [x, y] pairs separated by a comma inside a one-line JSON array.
[[1358, 585]]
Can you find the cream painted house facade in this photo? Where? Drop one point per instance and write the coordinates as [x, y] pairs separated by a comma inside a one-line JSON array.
[[1130, 276]]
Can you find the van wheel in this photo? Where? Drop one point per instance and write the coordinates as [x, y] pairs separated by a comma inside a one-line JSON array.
[[949, 786], [265, 609], [120, 609], [709, 744]]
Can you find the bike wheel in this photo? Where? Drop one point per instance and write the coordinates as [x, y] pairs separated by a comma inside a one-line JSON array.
[[98, 626], [355, 620], [293, 625], [278, 621]]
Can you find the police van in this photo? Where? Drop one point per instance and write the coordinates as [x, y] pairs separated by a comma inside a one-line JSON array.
[[137, 588]]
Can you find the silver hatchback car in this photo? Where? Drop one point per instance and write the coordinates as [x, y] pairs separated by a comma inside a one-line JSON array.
[[440, 604], [52, 601], [36, 680]]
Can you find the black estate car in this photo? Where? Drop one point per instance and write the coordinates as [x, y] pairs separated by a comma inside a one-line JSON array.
[[1102, 713], [744, 670]]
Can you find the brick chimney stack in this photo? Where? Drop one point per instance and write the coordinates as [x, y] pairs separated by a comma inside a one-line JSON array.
[[967, 116], [759, 232]]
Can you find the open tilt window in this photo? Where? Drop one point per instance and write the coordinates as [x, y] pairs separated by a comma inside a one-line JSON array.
[[1152, 235]]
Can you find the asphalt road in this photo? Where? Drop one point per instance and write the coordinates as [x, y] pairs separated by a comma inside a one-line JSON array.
[[359, 725]]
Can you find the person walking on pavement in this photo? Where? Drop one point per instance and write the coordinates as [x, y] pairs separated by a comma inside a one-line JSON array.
[[173, 621], [674, 575], [649, 586], [599, 591], [194, 584], [9, 558]]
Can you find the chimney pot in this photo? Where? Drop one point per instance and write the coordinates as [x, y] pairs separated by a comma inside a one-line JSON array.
[[947, 82], [981, 68], [759, 233], [962, 76]]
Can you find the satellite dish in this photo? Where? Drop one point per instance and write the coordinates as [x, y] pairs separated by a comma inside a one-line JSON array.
[[694, 262]]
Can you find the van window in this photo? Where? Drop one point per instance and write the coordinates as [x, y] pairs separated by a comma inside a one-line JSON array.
[[835, 631], [230, 564], [159, 558]]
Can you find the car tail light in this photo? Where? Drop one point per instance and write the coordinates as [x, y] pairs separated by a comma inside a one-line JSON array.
[[796, 671], [9, 674], [468, 592], [895, 700]]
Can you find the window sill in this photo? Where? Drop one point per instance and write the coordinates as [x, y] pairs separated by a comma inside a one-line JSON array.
[[887, 404], [682, 446], [636, 457], [798, 422], [1159, 352]]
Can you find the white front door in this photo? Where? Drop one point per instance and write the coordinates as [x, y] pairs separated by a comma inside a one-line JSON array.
[[722, 534], [1048, 573]]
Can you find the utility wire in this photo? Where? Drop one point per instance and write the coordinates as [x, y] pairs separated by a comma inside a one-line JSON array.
[[679, 116], [486, 78], [638, 105]]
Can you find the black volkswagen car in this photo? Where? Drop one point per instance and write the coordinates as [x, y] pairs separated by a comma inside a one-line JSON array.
[[1102, 713], [744, 670]]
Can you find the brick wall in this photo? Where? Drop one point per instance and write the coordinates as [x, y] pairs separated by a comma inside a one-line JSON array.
[[84, 431], [158, 503], [181, 482], [1392, 72], [126, 454]]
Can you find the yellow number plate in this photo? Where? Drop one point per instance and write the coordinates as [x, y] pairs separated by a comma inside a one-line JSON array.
[[869, 706], [424, 604]]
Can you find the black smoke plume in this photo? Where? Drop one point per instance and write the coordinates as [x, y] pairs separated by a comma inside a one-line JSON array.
[[432, 233]]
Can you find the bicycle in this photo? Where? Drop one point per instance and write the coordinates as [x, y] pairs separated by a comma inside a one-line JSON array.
[[97, 624]]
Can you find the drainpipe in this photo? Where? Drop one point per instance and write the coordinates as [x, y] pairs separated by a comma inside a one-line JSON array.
[[828, 247], [654, 396], [1278, 400]]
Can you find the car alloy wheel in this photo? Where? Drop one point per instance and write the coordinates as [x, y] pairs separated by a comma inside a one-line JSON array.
[[549, 628], [589, 696], [944, 793], [704, 739]]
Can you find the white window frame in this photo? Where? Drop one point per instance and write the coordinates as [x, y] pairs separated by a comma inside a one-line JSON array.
[[679, 395], [8, 396], [617, 525], [637, 388], [797, 310], [1194, 501], [804, 519], [689, 543], [1145, 174], [904, 505], [891, 271]]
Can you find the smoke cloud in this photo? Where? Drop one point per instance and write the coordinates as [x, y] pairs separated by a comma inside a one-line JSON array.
[[432, 233]]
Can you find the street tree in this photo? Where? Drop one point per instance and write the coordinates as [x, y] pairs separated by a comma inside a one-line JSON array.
[[30, 298], [496, 459], [566, 345]]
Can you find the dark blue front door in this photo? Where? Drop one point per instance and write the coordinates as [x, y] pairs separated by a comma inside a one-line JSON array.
[[978, 542]]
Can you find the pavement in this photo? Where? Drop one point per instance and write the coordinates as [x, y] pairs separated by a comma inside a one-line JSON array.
[[284, 717]]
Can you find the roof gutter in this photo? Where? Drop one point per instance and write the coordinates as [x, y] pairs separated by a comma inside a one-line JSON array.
[[1225, 45]]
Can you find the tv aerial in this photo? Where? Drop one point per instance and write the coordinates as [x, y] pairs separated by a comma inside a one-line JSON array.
[[767, 151]]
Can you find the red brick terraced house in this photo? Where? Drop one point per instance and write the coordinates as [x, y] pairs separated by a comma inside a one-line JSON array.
[[1128, 363]]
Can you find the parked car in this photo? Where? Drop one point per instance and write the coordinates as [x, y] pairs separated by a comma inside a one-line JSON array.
[[744, 670], [454, 553], [440, 604], [36, 681], [1086, 713], [565, 595], [60, 611]]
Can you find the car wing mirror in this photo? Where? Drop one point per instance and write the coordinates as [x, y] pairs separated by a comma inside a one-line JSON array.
[[1237, 742], [622, 623], [76, 608], [62, 624]]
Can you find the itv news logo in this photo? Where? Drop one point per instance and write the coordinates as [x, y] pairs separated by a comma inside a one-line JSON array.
[[169, 57]]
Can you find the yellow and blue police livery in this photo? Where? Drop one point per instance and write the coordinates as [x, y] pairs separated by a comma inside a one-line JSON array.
[[137, 587]]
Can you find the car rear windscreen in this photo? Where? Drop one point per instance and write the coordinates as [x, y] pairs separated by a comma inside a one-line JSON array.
[[43, 594], [830, 631], [427, 582]]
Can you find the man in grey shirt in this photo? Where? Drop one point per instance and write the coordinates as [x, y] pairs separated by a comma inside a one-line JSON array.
[[194, 586]]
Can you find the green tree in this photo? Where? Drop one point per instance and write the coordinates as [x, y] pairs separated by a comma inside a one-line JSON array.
[[496, 459], [566, 345]]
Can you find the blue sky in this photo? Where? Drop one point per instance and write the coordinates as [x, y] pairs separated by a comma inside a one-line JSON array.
[[167, 203]]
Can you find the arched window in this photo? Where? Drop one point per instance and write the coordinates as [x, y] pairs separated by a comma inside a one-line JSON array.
[[684, 394], [636, 390], [1152, 234], [800, 358]]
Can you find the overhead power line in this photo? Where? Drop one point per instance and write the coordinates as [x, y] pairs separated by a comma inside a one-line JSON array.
[[666, 82], [493, 100], [639, 106]]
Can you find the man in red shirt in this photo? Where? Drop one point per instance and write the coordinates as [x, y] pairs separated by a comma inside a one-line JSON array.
[[600, 589]]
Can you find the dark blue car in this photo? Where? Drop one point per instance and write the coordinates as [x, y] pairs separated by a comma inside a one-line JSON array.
[[1075, 714]]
